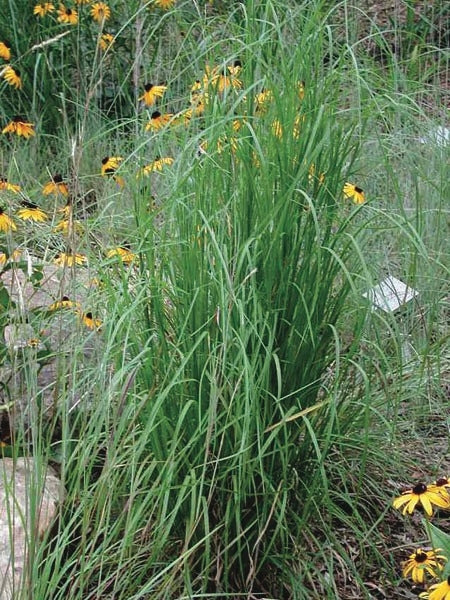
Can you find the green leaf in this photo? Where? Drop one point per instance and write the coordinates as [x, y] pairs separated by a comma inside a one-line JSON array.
[[440, 539], [5, 300]]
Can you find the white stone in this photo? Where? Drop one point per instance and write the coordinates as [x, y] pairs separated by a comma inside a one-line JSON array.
[[390, 294], [29, 499]]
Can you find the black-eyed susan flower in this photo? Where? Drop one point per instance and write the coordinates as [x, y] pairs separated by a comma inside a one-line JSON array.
[[100, 12], [66, 210], [123, 253], [68, 16], [16, 255], [90, 322], [164, 4], [152, 93], [262, 100], [31, 212], [301, 90], [12, 76], [68, 226], [158, 121], [3, 259], [6, 223], [157, 165], [56, 186], [312, 177], [354, 192], [9, 187], [438, 591], [20, 127], [421, 495], [110, 164], [297, 125], [106, 41], [65, 302], [33, 343], [422, 563], [222, 79], [81, 2], [277, 128], [42, 9], [5, 51], [69, 260], [443, 482]]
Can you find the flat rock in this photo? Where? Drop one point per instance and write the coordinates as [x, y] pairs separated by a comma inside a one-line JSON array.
[[29, 499]]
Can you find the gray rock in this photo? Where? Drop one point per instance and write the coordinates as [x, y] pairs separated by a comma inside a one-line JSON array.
[[29, 500]]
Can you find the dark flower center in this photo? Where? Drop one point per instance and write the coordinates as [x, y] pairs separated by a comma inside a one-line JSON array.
[[65, 299], [155, 115], [442, 481], [420, 488], [105, 160], [148, 87], [27, 204], [18, 119], [57, 178], [358, 190], [420, 556], [68, 12], [88, 315]]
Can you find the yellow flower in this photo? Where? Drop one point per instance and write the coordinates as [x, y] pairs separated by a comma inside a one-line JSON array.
[[152, 93], [68, 226], [83, 1], [100, 11], [422, 562], [3, 259], [354, 192], [33, 342], [312, 177], [6, 223], [69, 260], [31, 212], [89, 321], [438, 591], [123, 253], [301, 90], [12, 76], [158, 121], [10, 187], [5, 51], [110, 164], [66, 209], [164, 4], [56, 186], [424, 495], [20, 127], [297, 123], [69, 16], [65, 302], [277, 128], [40, 10], [222, 80], [157, 165], [106, 41], [262, 100]]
